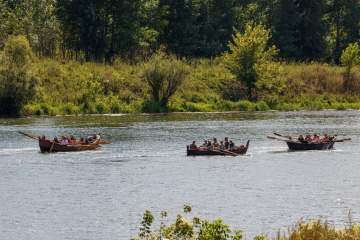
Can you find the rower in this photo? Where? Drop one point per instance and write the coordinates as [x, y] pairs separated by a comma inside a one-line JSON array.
[[222, 146], [301, 138], [231, 145], [216, 144], [193, 146], [226, 144]]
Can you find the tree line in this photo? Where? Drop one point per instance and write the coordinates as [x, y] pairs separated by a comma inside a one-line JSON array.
[[101, 30]]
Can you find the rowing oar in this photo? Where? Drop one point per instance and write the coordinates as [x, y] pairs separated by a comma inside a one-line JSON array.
[[103, 142], [279, 135], [226, 152], [28, 135], [275, 138], [343, 140]]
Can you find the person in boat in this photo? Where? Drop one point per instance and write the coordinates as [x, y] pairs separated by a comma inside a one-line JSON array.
[[226, 143], [72, 140], [325, 139], [301, 139], [222, 146], [64, 141], [82, 141], [216, 144], [315, 138], [210, 146], [56, 140], [193, 146], [308, 139], [231, 145]]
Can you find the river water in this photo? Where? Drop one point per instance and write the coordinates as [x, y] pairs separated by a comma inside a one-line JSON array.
[[102, 195]]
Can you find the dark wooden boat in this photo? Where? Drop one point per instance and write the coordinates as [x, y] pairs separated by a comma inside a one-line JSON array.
[[295, 145], [206, 152], [298, 146], [51, 146]]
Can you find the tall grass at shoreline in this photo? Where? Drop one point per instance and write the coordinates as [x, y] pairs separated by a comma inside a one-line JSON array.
[[89, 88]]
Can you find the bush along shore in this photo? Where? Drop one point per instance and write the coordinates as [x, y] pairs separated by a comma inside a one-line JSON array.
[[30, 85], [195, 228]]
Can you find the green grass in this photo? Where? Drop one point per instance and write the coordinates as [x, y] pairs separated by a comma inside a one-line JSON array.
[[91, 88]]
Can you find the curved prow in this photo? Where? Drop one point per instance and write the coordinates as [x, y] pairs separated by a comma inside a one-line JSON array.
[[246, 147], [247, 144]]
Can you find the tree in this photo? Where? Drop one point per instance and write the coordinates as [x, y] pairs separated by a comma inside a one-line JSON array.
[[17, 85], [105, 29], [34, 19], [216, 21], [181, 35], [349, 58], [252, 61], [311, 29], [164, 74], [284, 29], [344, 21]]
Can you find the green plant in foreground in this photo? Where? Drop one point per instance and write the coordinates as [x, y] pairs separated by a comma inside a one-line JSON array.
[[202, 229]]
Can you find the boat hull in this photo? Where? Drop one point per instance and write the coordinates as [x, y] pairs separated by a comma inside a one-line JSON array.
[[50, 146], [205, 152], [295, 146]]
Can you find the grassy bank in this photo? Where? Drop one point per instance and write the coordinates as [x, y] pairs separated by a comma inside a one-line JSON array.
[[186, 228], [74, 88]]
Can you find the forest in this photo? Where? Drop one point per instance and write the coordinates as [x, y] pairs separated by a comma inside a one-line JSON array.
[[124, 56]]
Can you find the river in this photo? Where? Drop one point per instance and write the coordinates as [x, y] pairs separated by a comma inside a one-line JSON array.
[[102, 195]]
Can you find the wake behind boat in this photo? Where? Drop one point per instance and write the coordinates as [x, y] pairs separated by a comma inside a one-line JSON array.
[[67, 144], [309, 142]]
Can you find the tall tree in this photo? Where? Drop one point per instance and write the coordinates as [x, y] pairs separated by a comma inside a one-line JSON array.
[[33, 18], [182, 32], [311, 27], [216, 21], [285, 28], [344, 22]]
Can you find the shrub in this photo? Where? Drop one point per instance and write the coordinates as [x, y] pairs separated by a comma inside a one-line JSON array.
[[17, 84], [262, 106], [349, 58], [245, 105], [164, 74]]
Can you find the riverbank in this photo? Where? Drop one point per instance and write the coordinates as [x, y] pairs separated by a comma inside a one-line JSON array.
[[90, 88]]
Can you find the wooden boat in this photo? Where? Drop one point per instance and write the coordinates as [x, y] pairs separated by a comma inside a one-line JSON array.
[[207, 152], [298, 146], [51, 146], [295, 145]]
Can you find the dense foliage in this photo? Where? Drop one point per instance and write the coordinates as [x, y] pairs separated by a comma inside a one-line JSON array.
[[101, 30], [17, 85], [103, 56]]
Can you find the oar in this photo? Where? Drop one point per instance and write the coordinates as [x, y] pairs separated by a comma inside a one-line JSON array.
[[226, 152], [343, 140], [230, 153], [28, 135], [103, 142], [275, 138], [279, 135]]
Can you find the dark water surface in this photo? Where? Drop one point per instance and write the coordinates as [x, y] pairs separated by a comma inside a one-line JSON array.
[[102, 195]]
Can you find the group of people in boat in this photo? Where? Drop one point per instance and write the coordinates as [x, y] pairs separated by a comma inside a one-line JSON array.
[[315, 138], [223, 145], [71, 140]]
